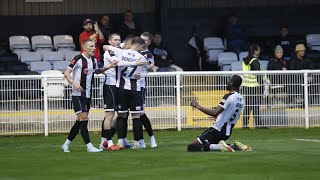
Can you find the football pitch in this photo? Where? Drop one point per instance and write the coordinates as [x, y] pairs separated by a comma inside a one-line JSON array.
[[278, 154]]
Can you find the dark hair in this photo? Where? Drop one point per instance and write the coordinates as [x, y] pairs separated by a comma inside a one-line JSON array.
[[147, 34], [127, 11], [253, 47], [284, 27], [157, 33], [138, 40], [237, 81]]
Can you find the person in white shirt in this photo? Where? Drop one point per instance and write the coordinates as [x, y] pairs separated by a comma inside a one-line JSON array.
[[147, 37], [82, 68], [227, 114], [129, 95], [110, 93]]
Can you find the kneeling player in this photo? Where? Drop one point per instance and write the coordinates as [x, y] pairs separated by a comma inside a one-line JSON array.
[[227, 114]]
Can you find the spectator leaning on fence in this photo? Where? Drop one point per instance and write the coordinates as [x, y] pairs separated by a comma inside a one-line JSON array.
[[277, 64], [298, 62], [252, 86]]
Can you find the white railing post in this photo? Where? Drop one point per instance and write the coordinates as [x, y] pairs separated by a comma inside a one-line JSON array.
[[45, 105], [306, 99], [178, 76]]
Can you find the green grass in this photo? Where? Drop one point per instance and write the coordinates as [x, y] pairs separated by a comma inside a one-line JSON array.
[[276, 156]]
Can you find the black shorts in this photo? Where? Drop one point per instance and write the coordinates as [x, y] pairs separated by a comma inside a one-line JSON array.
[[143, 96], [212, 136], [81, 104], [128, 99], [110, 97]]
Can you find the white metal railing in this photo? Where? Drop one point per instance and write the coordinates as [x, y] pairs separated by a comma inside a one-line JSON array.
[[42, 104]]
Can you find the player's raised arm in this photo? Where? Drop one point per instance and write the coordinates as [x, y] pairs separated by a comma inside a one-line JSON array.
[[211, 112], [106, 67]]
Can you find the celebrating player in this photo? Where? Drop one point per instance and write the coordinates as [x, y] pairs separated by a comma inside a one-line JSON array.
[[129, 93], [227, 114], [82, 68]]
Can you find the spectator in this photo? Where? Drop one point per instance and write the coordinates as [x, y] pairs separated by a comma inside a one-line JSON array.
[[252, 86], [129, 26], [298, 62], [162, 58], [92, 32], [236, 35], [286, 42], [278, 81], [277, 62], [105, 27]]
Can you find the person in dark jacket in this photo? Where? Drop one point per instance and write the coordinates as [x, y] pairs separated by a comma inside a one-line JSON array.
[[279, 82], [298, 62], [162, 57], [277, 64], [252, 86], [129, 26]]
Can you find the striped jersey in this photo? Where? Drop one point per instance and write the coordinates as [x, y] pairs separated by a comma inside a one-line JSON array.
[[82, 74], [111, 73], [148, 55], [232, 103], [127, 78]]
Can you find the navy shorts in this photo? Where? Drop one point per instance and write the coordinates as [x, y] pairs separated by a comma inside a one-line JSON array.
[[110, 97], [81, 104]]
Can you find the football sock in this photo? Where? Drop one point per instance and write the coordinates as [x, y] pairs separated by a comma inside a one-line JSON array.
[[147, 124], [74, 130], [137, 129], [121, 127], [125, 126], [141, 141], [89, 145], [68, 142], [215, 147], [125, 141], [103, 139], [108, 134], [84, 131], [110, 143], [113, 131]]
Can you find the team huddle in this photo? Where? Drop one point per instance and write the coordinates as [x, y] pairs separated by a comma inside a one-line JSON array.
[[125, 68]]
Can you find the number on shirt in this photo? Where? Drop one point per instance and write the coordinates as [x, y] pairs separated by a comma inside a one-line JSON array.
[[123, 72], [234, 115]]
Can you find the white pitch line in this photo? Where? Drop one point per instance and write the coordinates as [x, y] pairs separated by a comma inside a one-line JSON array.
[[309, 140]]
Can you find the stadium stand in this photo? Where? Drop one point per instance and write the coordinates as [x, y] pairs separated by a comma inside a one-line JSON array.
[[70, 54], [213, 46], [60, 65], [63, 42], [56, 86], [19, 43], [52, 56], [42, 43], [243, 55], [225, 60], [313, 41], [236, 66], [40, 66], [29, 57]]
